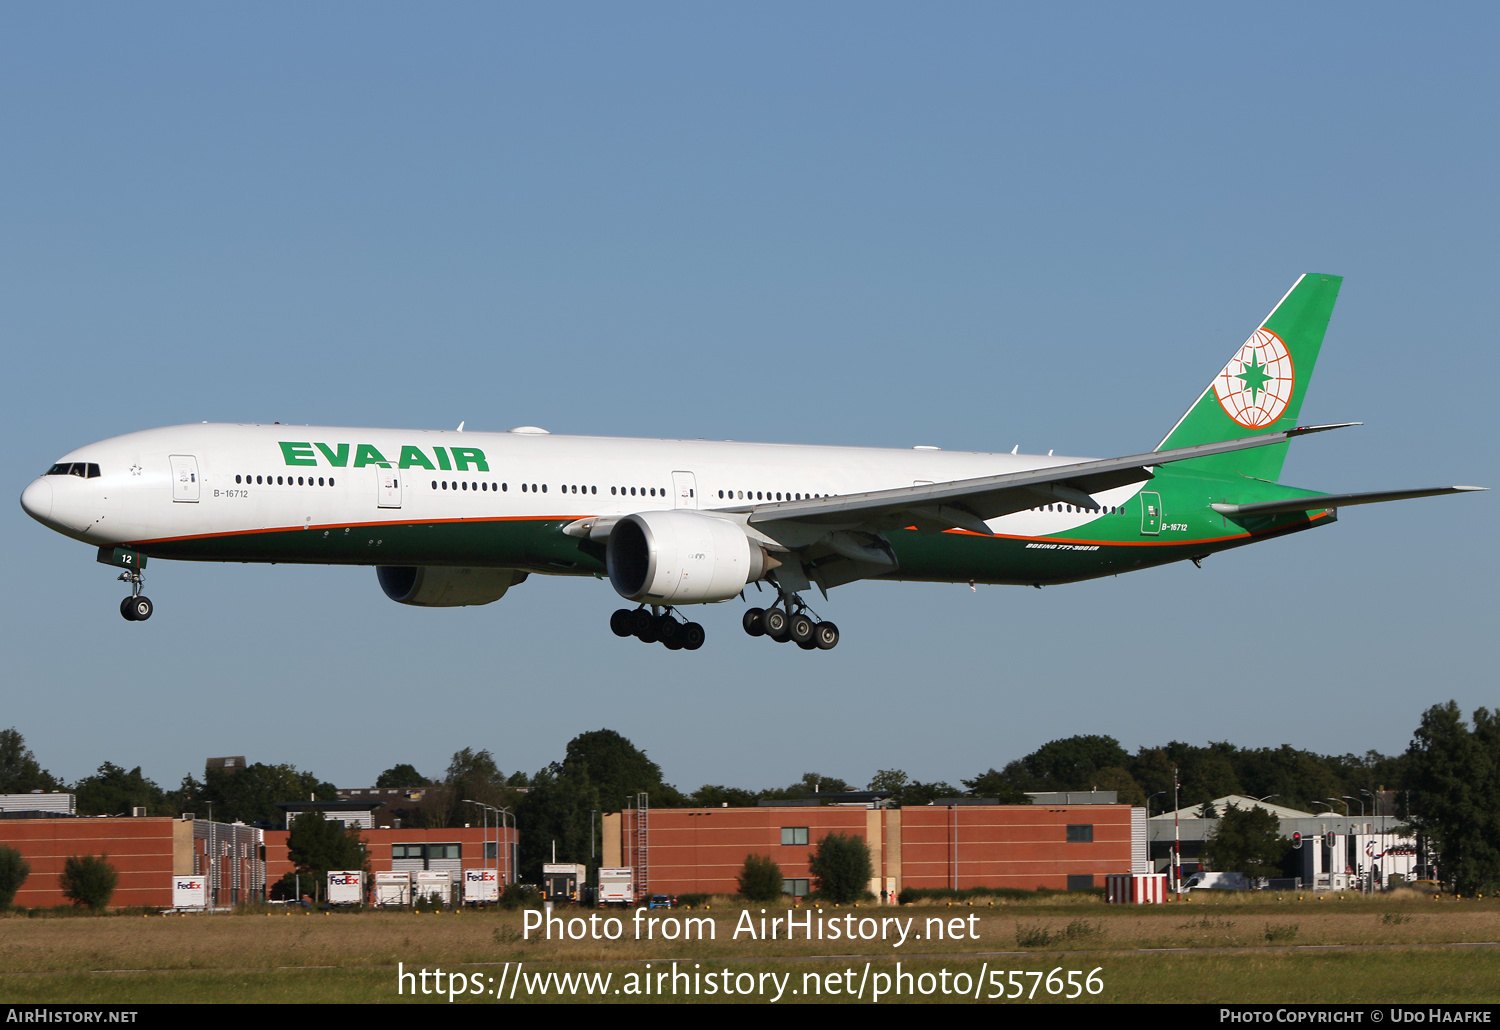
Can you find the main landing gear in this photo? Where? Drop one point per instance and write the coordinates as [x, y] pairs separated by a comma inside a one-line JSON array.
[[791, 622], [657, 625], [137, 607]]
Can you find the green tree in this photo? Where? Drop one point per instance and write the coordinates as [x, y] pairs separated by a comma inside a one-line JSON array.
[[1247, 840], [316, 845], [113, 791], [402, 775], [992, 784], [13, 872], [841, 868], [19, 771], [89, 880], [1073, 763], [1453, 780], [718, 796], [250, 794], [760, 878], [559, 808], [619, 769], [471, 776]]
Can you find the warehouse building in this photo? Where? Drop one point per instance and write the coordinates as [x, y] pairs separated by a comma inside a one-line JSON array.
[[959, 843], [146, 852]]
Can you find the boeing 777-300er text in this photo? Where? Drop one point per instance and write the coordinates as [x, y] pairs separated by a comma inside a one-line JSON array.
[[456, 518]]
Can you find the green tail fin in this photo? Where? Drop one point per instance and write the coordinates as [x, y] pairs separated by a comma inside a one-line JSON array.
[[1260, 390]]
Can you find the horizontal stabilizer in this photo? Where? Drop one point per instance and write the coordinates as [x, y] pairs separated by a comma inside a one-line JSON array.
[[1318, 503]]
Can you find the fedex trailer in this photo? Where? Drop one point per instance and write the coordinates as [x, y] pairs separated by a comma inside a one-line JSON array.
[[346, 887], [481, 886]]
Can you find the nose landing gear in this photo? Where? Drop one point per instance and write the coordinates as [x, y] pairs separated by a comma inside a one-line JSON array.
[[137, 607]]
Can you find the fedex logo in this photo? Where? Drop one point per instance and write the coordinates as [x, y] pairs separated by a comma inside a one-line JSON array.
[[479, 875], [189, 885], [344, 879]]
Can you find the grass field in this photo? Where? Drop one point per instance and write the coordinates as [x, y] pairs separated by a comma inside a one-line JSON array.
[[1229, 948]]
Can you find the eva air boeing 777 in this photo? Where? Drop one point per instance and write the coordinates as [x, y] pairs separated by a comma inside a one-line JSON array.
[[455, 518]]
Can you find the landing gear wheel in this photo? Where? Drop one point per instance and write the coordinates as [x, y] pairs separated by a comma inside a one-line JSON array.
[[140, 608], [643, 625], [755, 622], [674, 643], [801, 629], [668, 630], [692, 636], [621, 623], [807, 645], [127, 609], [775, 623], [826, 636]]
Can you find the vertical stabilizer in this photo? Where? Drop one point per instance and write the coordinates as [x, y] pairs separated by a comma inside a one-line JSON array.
[[1260, 390]]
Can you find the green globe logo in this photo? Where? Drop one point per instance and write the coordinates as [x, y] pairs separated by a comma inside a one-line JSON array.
[[1256, 385]]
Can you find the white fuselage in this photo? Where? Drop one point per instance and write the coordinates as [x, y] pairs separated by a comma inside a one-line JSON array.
[[210, 480]]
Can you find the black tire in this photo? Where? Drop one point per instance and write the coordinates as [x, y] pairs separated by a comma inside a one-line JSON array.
[[775, 623], [807, 645], [693, 636], [826, 636], [643, 624], [674, 644], [127, 609], [668, 628], [755, 622], [141, 608], [801, 629], [622, 622]]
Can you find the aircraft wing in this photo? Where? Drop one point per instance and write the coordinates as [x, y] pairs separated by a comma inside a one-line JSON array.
[[968, 503], [1321, 501]]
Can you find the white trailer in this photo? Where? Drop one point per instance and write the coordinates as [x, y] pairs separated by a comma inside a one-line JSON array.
[[346, 887], [189, 892], [393, 889], [434, 884], [616, 886], [481, 886]]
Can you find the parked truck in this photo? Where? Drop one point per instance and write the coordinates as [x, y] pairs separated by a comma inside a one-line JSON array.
[[616, 886]]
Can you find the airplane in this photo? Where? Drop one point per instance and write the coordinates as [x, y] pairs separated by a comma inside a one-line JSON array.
[[451, 518]]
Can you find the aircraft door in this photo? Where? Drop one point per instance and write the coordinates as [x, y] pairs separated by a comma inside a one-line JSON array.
[[1150, 513], [684, 490], [388, 481], [184, 477]]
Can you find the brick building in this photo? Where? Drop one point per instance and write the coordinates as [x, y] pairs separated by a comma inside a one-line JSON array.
[[146, 852], [701, 850]]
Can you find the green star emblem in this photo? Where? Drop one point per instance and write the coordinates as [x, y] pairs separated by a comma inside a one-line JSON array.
[[1254, 378]]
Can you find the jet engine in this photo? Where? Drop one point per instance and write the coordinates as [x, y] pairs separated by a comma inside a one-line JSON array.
[[438, 587], [682, 557]]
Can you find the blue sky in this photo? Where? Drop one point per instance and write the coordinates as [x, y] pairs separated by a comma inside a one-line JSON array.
[[974, 226]]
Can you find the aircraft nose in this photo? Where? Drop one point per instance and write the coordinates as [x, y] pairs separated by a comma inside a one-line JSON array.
[[37, 500]]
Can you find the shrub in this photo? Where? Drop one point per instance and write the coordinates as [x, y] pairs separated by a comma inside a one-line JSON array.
[[760, 878], [518, 895], [89, 880], [841, 868], [13, 873]]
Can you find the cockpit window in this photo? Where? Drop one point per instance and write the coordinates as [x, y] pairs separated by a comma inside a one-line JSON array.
[[81, 469]]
